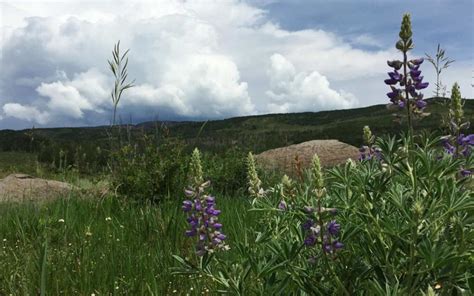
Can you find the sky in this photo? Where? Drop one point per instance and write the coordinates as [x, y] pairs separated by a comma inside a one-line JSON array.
[[198, 60]]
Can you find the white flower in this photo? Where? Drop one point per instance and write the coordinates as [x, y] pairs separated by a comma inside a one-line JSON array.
[[108, 219], [61, 220]]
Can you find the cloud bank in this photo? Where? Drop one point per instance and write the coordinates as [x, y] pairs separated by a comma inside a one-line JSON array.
[[191, 60]]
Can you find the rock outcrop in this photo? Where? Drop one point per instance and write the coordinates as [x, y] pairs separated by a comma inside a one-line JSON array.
[[330, 152], [18, 187]]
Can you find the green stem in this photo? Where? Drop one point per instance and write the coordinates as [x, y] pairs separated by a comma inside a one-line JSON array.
[[414, 238], [407, 96]]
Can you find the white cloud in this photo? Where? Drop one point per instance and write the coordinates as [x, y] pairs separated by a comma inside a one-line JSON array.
[[366, 39], [27, 113], [190, 60], [295, 92], [72, 98], [210, 87]]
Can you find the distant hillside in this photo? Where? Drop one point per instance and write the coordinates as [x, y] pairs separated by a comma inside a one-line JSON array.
[[255, 133]]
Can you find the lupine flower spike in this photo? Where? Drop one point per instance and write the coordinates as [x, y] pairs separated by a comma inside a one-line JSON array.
[[202, 214], [316, 231], [255, 189], [288, 193], [457, 143], [405, 80], [195, 169], [369, 150]]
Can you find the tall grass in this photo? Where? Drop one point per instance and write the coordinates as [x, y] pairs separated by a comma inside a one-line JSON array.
[[104, 246]]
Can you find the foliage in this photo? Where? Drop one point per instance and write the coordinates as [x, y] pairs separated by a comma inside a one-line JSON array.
[[394, 235], [148, 172], [227, 171]]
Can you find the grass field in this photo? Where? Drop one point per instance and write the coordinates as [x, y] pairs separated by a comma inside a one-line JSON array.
[[17, 162], [85, 246]]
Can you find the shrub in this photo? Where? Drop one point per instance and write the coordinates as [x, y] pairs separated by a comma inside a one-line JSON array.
[[147, 171]]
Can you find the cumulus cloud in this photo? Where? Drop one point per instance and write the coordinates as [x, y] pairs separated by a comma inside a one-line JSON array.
[[293, 91], [190, 60], [210, 87], [27, 113]]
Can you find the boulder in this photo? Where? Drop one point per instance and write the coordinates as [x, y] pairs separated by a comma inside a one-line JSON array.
[[17, 187], [330, 152]]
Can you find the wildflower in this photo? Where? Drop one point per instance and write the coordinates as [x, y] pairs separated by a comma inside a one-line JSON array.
[[369, 150], [196, 175], [108, 219], [254, 182], [310, 240], [337, 245], [317, 172], [406, 94], [308, 224], [457, 143], [313, 235], [61, 221], [202, 214], [333, 227], [288, 188], [282, 205]]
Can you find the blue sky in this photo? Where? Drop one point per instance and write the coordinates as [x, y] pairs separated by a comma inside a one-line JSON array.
[[434, 21], [196, 60]]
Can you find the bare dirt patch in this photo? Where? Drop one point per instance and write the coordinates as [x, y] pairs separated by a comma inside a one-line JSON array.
[[20, 187], [330, 152]]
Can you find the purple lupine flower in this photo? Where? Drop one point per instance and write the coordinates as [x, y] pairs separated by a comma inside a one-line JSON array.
[[468, 140], [415, 73], [188, 193], [333, 228], [203, 221], [393, 95], [308, 224], [466, 173], [417, 62], [313, 231], [421, 85], [413, 66], [390, 81], [217, 225], [395, 75], [368, 153], [327, 246], [191, 232], [187, 205], [420, 104], [282, 205], [337, 245], [395, 64], [463, 143], [310, 240]]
